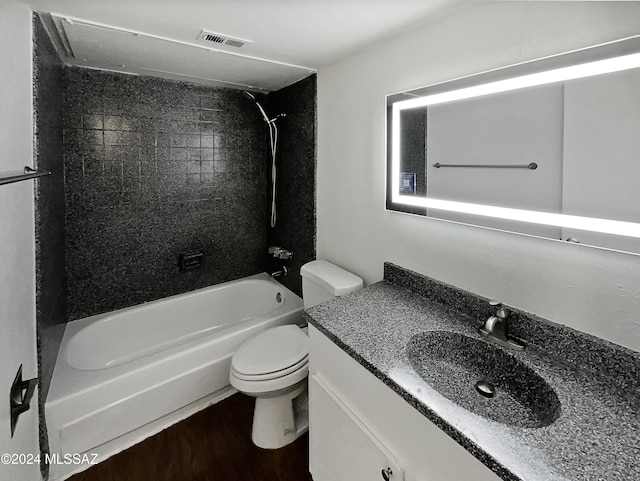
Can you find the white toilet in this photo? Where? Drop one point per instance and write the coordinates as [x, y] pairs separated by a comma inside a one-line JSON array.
[[273, 366]]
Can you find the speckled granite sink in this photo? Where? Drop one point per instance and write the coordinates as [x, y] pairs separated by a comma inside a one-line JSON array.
[[580, 418], [454, 363]]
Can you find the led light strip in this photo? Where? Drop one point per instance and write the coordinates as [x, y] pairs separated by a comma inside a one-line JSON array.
[[592, 224], [589, 69]]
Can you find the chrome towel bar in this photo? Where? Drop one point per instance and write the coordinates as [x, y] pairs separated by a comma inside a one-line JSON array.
[[531, 166], [27, 173]]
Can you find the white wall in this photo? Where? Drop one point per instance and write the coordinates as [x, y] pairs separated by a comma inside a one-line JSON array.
[[17, 271], [593, 290]]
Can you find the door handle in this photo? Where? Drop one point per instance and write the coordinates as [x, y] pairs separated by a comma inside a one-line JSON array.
[[20, 397]]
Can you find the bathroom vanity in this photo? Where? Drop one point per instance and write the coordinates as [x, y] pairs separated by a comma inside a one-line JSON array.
[[360, 427], [392, 395]]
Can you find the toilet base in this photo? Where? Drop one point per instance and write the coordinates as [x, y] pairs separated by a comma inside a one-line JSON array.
[[281, 419]]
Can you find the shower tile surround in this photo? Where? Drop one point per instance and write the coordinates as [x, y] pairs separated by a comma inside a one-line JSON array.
[[154, 168], [597, 382], [295, 228], [51, 309]]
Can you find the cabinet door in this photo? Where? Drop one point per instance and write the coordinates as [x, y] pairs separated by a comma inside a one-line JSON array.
[[342, 448]]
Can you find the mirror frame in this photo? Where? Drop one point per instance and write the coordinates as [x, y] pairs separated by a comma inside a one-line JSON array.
[[615, 56]]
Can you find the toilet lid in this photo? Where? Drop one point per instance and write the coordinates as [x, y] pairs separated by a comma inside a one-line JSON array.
[[273, 350], [303, 364]]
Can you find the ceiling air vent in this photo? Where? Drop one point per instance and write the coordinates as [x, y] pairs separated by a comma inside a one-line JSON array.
[[222, 39]]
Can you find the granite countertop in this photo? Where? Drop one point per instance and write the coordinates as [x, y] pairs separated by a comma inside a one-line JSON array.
[[597, 433]]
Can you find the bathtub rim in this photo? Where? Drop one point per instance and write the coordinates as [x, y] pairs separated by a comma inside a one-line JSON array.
[[77, 326]]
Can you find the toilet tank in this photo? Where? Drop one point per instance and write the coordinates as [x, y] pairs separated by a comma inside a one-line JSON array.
[[323, 281]]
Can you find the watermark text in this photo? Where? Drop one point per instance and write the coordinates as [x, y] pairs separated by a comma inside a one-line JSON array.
[[49, 458]]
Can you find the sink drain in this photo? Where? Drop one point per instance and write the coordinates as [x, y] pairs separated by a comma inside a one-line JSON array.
[[485, 388]]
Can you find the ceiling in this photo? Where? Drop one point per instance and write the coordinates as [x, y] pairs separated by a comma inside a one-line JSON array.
[[289, 39]]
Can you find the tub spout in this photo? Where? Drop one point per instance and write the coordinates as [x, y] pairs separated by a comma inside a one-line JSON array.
[[280, 273]]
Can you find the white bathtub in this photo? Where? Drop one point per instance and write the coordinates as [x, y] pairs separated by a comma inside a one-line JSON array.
[[119, 371]]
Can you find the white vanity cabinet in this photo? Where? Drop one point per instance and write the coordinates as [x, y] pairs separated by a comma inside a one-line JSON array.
[[360, 427], [344, 447]]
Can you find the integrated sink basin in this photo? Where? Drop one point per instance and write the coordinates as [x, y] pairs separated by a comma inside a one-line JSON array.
[[483, 378]]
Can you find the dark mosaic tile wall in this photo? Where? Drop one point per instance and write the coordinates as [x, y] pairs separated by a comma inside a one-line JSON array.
[[49, 213], [155, 168], [296, 181]]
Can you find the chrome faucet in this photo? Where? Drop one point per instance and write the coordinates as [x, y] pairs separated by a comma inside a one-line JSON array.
[[280, 253], [496, 328]]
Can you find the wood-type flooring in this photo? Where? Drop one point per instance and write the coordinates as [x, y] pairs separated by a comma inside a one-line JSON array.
[[212, 445]]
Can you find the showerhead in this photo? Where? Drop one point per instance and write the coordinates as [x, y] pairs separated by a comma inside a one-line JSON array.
[[273, 140], [250, 96]]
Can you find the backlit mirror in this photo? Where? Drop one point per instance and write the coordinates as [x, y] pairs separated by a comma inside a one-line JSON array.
[[548, 148]]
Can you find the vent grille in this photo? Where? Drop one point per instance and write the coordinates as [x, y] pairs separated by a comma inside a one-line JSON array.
[[234, 43], [214, 38], [222, 39]]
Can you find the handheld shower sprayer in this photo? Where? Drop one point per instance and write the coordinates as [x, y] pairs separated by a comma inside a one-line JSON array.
[[250, 96], [273, 140], [266, 118]]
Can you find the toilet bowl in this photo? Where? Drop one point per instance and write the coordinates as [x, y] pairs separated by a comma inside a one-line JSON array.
[[273, 366]]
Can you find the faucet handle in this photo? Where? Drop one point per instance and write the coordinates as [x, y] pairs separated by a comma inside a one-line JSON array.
[[501, 311], [280, 253]]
